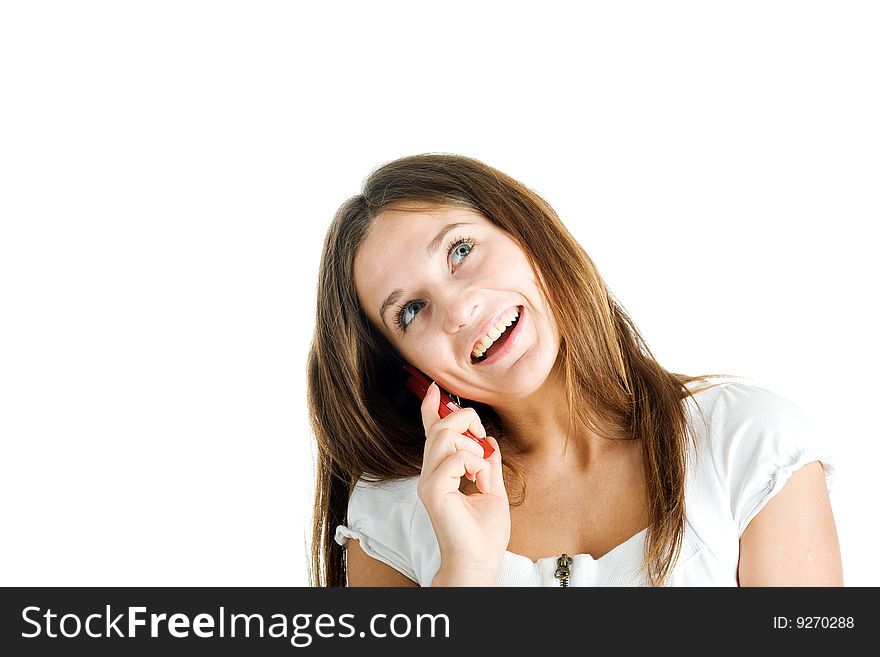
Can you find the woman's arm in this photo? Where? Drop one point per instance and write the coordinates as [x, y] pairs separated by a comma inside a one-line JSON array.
[[364, 570], [793, 540]]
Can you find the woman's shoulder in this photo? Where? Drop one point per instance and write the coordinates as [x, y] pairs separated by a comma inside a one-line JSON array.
[[727, 388], [739, 413], [381, 516], [378, 493], [748, 441], [736, 413]]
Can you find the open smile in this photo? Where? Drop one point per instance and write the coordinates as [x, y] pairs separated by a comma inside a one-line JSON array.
[[499, 338]]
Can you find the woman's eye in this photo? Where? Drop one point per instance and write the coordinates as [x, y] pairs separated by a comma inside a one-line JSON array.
[[407, 312], [457, 252], [460, 250]]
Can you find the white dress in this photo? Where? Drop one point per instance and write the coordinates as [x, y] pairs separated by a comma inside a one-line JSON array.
[[749, 442]]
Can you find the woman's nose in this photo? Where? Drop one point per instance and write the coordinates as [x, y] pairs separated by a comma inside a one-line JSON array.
[[458, 312]]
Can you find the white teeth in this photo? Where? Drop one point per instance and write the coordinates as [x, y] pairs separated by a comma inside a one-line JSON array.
[[495, 332]]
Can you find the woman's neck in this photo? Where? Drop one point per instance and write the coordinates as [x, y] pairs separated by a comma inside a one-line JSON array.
[[538, 427]]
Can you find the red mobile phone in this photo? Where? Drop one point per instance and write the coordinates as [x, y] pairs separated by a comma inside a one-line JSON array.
[[418, 384]]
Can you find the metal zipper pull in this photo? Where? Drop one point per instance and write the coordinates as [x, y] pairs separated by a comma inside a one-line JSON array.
[[563, 570]]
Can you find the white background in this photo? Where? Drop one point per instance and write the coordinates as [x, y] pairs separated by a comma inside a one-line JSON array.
[[168, 171]]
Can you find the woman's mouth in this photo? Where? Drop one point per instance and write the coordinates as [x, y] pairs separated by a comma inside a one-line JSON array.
[[497, 337]]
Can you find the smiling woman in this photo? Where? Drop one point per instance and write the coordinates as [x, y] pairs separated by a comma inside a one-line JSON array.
[[450, 309], [607, 469]]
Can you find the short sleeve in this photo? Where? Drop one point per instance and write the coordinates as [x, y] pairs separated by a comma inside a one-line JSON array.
[[380, 518], [764, 439]]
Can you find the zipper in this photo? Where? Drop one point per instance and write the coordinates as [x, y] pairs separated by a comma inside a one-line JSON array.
[[563, 570]]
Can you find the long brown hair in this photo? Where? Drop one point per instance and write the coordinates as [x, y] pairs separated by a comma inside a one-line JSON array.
[[352, 367]]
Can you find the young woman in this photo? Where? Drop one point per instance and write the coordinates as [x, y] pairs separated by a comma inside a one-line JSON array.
[[607, 469]]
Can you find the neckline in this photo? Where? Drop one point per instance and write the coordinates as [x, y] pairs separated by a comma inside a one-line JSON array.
[[582, 555]]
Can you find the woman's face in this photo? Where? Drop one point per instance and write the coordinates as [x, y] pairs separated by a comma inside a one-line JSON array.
[[441, 284]]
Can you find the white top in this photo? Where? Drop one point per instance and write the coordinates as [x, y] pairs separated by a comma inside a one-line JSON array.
[[750, 443]]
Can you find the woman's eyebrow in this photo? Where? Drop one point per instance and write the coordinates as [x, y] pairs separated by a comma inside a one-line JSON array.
[[432, 247], [434, 243], [392, 298]]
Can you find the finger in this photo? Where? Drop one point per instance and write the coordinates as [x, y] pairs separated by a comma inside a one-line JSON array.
[[430, 404], [496, 473], [483, 480], [446, 478], [456, 466], [461, 420], [444, 443]]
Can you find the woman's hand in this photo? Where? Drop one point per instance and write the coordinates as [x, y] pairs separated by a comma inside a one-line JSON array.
[[472, 530]]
